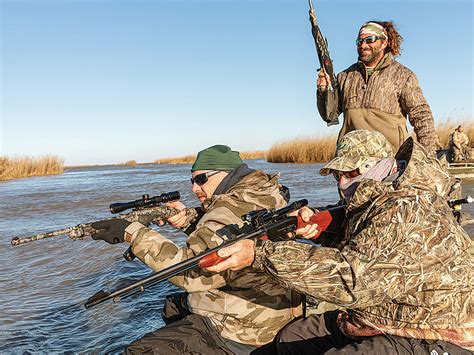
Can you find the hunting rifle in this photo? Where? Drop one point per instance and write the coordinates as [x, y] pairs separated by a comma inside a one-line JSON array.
[[145, 210], [258, 224], [321, 44]]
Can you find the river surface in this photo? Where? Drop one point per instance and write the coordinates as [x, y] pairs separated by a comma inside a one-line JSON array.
[[45, 283]]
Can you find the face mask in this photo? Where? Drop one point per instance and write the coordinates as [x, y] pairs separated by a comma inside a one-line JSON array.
[[378, 172], [348, 189]]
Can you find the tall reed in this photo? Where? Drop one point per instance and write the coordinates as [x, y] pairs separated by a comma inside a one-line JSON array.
[[130, 163], [12, 168], [322, 149], [258, 154], [303, 150], [179, 160]]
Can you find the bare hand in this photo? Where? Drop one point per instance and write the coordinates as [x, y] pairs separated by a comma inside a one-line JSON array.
[[309, 231], [323, 81], [239, 255], [179, 219]]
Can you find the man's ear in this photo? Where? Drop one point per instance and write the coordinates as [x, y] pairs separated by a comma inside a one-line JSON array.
[[384, 44]]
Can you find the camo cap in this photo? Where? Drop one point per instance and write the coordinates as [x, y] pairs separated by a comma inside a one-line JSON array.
[[355, 148]]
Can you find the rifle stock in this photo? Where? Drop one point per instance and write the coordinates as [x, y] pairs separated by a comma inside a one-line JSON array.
[[329, 221]]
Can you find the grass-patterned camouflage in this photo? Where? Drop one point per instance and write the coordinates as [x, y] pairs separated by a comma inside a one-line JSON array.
[[355, 147], [403, 265], [146, 216], [459, 146], [425, 171], [380, 103], [459, 139], [246, 306]]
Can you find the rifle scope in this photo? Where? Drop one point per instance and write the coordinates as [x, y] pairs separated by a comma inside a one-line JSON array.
[[145, 201], [260, 217]]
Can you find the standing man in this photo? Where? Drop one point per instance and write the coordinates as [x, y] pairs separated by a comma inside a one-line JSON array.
[[459, 143], [400, 275], [378, 93], [225, 313]]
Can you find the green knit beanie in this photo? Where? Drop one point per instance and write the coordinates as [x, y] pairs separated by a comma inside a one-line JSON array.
[[217, 157]]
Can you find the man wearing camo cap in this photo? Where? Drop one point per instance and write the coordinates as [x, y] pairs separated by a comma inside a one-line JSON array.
[[399, 277], [225, 313], [378, 93]]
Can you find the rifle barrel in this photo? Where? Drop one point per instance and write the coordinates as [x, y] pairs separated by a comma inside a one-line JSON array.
[[83, 230], [142, 284], [168, 272], [18, 241]]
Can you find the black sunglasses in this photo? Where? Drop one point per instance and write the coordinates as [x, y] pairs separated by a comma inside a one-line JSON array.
[[368, 40], [201, 179]]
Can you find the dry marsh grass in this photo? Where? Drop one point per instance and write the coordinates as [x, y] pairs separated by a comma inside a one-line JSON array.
[[298, 150], [258, 154], [322, 149], [303, 150], [180, 160], [130, 163], [12, 168]]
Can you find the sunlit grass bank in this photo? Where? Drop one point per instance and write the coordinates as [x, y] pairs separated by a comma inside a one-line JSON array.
[[12, 168], [258, 154], [322, 149], [180, 160], [303, 150], [297, 150], [130, 163]]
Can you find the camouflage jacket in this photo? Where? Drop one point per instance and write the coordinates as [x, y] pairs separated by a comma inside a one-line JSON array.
[[459, 139], [246, 306], [380, 102], [403, 265]]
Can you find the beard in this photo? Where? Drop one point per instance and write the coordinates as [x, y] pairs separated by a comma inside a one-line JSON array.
[[201, 195], [370, 54]]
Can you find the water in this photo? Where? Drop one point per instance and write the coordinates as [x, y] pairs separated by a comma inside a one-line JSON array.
[[44, 283]]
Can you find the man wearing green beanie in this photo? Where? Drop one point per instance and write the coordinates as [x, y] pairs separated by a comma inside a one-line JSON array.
[[223, 313]]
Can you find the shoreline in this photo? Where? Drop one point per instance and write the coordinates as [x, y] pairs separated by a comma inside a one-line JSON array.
[[298, 150]]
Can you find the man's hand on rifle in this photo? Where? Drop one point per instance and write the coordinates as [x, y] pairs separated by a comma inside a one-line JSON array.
[[323, 80], [179, 219], [242, 253], [239, 255], [112, 231], [310, 230]]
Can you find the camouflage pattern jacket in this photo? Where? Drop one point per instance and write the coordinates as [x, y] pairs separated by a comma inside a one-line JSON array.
[[459, 139], [380, 102], [246, 306], [403, 265]]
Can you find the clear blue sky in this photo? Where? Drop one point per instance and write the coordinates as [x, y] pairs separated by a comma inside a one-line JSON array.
[[109, 81]]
